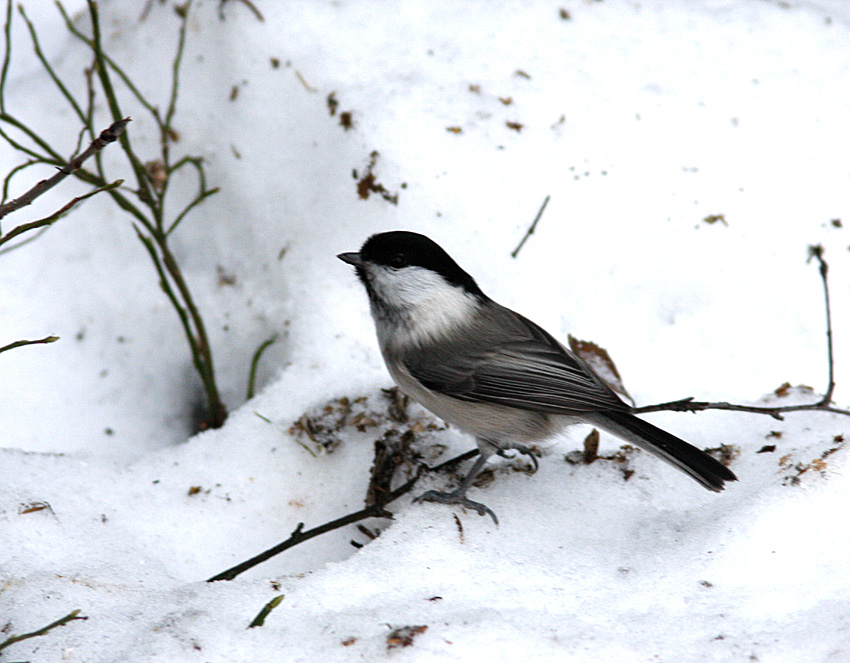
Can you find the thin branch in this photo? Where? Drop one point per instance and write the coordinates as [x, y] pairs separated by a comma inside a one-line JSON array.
[[26, 240], [53, 218], [166, 288], [88, 127], [201, 197], [108, 135], [8, 179], [300, 536], [376, 510], [175, 73], [69, 23], [200, 345], [7, 57], [531, 228], [18, 344], [56, 80], [690, 405], [816, 252], [142, 178], [822, 405], [52, 155], [70, 617]]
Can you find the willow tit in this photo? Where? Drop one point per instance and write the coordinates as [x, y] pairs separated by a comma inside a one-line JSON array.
[[488, 370]]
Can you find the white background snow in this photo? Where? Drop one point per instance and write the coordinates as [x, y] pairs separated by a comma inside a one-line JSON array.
[[640, 119]]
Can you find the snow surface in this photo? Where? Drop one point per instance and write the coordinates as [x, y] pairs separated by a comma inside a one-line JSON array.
[[640, 119]]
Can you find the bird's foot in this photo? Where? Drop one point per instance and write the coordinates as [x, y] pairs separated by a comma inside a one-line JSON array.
[[523, 450], [457, 497]]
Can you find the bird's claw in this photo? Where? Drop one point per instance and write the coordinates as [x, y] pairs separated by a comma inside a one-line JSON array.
[[523, 450], [459, 498]]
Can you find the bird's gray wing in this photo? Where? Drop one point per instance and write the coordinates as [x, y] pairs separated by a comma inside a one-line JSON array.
[[506, 359]]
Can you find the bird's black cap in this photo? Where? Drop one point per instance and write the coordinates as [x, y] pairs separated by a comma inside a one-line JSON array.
[[401, 248]]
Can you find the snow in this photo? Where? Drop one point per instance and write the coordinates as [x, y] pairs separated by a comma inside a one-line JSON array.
[[640, 120]]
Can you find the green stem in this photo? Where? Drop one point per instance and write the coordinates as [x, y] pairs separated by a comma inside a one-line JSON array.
[[255, 361], [200, 342], [112, 101], [18, 344], [7, 57], [44, 63], [71, 616]]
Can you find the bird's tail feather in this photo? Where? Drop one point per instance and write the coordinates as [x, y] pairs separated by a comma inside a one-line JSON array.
[[699, 465]]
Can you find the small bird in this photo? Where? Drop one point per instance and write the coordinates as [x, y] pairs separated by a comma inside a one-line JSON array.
[[488, 370]]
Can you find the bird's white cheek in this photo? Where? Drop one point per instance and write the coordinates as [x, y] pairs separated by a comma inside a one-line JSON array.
[[416, 305]]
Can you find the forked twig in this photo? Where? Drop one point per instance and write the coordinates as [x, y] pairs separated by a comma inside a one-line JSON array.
[[823, 405], [108, 135], [376, 510]]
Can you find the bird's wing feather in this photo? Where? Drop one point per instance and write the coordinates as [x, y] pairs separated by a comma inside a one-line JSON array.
[[509, 360]]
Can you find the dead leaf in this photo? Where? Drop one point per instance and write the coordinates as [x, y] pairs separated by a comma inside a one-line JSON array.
[[601, 362], [403, 636], [591, 446]]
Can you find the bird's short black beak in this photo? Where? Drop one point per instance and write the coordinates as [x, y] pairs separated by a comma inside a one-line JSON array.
[[351, 258]]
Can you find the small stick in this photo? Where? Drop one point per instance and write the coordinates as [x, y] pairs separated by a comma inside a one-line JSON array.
[[71, 616], [306, 85], [817, 252], [18, 344], [690, 405], [531, 228], [300, 536], [108, 135], [374, 511]]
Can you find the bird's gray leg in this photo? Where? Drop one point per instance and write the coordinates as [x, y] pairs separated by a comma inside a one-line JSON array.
[[458, 495], [524, 450]]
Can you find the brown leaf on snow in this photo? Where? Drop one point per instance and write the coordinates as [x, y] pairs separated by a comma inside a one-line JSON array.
[[403, 636], [711, 219], [591, 446], [601, 362]]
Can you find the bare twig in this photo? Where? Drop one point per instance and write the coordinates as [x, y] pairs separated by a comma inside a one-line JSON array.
[[18, 344], [690, 405], [144, 191], [376, 510], [46, 64], [822, 405], [7, 58], [816, 251], [300, 536], [17, 169], [531, 228], [108, 135], [69, 23], [71, 616], [52, 218]]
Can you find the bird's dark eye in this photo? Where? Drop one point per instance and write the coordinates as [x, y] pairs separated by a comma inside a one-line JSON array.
[[398, 260]]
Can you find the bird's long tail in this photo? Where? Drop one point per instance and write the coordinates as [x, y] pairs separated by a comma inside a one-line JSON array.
[[703, 468]]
